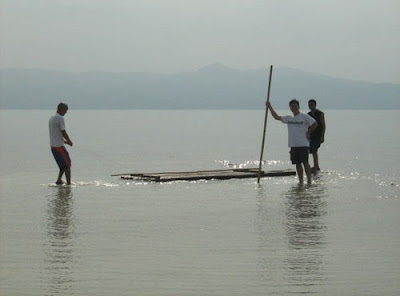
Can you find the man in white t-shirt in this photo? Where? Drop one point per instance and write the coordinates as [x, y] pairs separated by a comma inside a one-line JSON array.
[[300, 126], [59, 137]]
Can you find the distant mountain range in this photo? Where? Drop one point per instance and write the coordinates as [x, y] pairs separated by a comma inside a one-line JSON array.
[[212, 87]]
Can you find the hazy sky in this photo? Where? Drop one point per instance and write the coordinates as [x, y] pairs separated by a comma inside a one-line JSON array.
[[357, 39]]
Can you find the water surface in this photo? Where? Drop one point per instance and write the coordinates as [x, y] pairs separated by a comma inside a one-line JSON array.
[[106, 236]]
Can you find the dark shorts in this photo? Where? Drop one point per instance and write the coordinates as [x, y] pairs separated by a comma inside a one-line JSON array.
[[62, 157], [314, 145], [299, 155]]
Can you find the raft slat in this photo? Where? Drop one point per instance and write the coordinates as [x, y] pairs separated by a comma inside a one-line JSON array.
[[205, 175]]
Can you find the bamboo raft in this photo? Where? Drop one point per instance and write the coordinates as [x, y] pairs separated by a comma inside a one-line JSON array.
[[205, 175]]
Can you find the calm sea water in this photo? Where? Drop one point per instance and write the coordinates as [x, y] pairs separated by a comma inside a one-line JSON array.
[[106, 236]]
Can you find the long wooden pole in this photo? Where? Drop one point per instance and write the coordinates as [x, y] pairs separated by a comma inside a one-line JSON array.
[[265, 126]]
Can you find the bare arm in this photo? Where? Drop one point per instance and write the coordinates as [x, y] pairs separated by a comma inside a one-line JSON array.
[[311, 129], [323, 127], [66, 137], [274, 114]]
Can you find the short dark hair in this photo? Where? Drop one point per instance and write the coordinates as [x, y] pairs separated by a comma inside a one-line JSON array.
[[313, 101], [62, 105], [294, 101]]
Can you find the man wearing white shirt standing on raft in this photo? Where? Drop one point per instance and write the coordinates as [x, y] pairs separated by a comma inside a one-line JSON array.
[[59, 137], [300, 126]]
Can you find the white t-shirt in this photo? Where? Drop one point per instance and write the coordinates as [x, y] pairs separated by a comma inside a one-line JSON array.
[[297, 129], [56, 125]]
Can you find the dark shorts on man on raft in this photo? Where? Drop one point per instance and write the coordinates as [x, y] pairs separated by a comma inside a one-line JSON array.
[[61, 156], [299, 155], [314, 145]]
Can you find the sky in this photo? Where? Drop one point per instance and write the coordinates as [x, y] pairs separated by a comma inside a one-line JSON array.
[[353, 39]]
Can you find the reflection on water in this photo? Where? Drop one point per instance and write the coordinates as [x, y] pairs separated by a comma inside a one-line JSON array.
[[291, 231], [59, 247], [305, 230]]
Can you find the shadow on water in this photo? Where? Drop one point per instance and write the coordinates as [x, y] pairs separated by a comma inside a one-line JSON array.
[[291, 228], [59, 247]]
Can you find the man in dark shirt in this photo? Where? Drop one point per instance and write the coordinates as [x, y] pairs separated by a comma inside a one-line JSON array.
[[317, 137]]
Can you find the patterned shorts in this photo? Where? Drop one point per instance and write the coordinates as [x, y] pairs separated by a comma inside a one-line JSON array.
[[62, 157]]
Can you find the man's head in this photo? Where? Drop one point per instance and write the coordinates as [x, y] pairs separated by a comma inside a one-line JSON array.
[[312, 104], [294, 106], [62, 108]]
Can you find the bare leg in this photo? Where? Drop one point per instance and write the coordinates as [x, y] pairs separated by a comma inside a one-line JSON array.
[[299, 170], [60, 174], [308, 172], [68, 175], [315, 158]]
